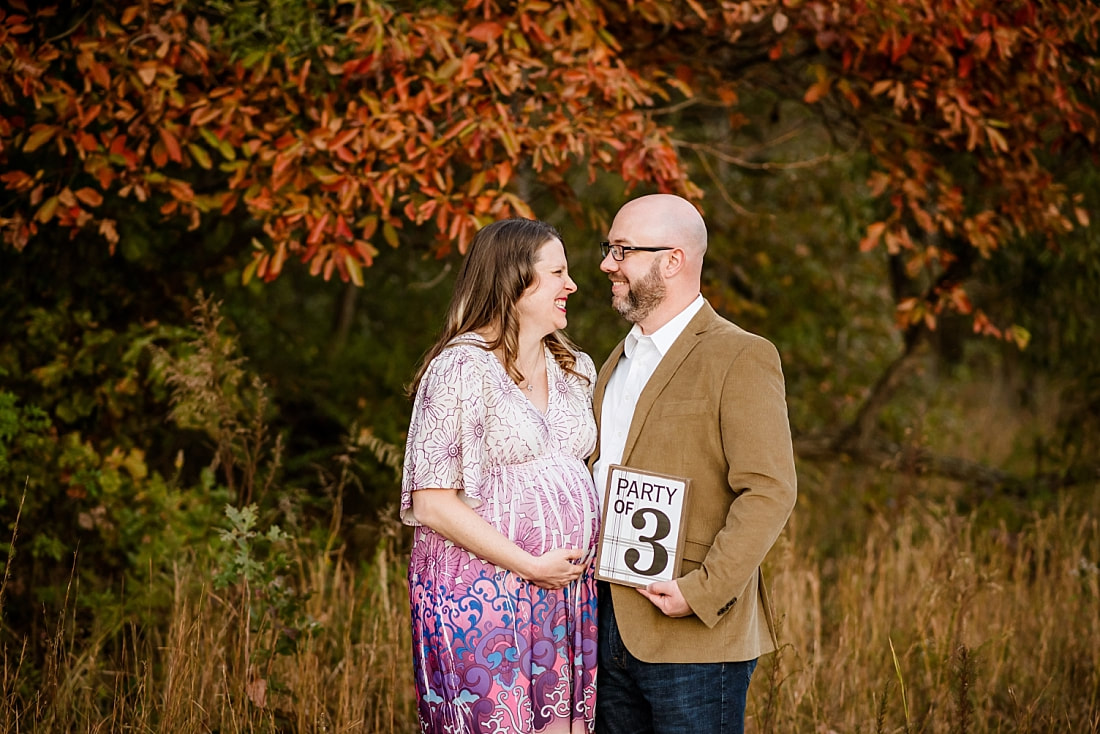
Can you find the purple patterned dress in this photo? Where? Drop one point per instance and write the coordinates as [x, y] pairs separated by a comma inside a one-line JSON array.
[[491, 651]]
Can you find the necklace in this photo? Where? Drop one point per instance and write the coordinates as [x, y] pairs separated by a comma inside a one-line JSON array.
[[530, 383]]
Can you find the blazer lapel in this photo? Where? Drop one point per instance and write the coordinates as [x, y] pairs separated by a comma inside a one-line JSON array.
[[671, 362]]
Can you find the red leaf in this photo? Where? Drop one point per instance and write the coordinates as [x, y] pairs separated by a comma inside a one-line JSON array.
[[901, 48], [966, 65], [342, 228]]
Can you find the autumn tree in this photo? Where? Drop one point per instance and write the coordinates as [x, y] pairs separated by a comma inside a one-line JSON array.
[[202, 139], [386, 117], [977, 120], [389, 119]]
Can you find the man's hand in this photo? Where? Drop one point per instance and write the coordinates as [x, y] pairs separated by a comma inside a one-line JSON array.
[[666, 596]]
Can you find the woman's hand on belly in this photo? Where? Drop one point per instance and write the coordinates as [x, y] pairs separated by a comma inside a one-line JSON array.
[[557, 568]]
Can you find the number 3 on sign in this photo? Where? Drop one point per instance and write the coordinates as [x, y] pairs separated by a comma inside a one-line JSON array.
[[641, 540]]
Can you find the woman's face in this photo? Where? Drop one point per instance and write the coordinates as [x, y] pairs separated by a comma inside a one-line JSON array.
[[541, 308]]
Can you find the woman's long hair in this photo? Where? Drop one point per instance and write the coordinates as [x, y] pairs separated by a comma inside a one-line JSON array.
[[499, 267]]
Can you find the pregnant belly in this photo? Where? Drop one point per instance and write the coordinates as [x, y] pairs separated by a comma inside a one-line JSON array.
[[544, 505]]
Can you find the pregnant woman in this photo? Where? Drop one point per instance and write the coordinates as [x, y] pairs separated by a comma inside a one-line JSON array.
[[506, 514]]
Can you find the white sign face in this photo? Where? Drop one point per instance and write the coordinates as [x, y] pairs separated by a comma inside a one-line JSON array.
[[641, 540]]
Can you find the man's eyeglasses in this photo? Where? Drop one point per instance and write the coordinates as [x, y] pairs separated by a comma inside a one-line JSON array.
[[618, 252]]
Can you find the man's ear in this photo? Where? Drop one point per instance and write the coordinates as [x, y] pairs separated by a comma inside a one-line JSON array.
[[675, 262]]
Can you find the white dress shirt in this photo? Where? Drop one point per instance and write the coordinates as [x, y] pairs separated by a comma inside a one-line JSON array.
[[641, 355]]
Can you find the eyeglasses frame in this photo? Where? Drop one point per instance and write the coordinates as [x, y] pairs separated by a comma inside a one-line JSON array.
[[606, 247]]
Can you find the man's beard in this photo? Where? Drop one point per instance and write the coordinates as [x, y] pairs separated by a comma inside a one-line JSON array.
[[642, 296]]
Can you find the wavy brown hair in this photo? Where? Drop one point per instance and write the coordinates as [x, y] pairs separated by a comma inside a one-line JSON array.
[[499, 267]]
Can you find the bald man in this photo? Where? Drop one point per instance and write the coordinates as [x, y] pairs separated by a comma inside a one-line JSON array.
[[689, 394]]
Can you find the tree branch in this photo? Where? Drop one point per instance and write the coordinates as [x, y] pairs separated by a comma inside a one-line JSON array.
[[858, 432]]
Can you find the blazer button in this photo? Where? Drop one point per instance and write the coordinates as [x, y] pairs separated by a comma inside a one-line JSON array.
[[726, 608]]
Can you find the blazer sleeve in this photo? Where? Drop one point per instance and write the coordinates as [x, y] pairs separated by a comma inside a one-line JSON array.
[[756, 442]]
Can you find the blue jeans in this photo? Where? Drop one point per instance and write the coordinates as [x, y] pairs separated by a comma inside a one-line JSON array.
[[634, 697]]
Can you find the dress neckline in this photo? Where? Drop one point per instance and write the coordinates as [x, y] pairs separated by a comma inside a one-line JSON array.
[[549, 363]]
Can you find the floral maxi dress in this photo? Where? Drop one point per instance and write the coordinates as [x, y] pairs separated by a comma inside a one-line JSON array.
[[493, 652]]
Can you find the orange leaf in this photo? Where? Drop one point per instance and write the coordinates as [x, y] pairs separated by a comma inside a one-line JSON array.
[[342, 228], [278, 260], [87, 141], [317, 230], [89, 196], [160, 155], [89, 115], [342, 139], [485, 32], [171, 145], [874, 234], [816, 91], [100, 75], [469, 64], [204, 114]]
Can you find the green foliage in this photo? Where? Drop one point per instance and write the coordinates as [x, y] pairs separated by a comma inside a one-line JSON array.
[[257, 567], [29, 425], [212, 393], [254, 26]]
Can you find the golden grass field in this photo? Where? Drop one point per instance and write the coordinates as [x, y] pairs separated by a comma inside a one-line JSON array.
[[906, 618]]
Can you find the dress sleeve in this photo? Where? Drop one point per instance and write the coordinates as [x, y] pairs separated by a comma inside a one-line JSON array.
[[445, 446]]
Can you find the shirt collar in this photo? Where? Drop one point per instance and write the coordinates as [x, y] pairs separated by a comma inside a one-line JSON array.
[[664, 337]]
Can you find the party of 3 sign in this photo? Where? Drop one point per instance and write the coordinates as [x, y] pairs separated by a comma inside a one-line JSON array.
[[642, 538]]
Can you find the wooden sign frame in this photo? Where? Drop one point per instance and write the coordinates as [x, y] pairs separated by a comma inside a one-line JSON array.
[[642, 534]]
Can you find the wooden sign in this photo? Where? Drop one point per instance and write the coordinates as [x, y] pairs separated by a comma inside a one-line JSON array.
[[642, 537]]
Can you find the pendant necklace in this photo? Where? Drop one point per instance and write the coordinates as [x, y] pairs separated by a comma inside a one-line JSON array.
[[530, 384]]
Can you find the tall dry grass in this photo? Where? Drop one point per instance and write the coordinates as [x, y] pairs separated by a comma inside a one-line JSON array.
[[198, 671], [906, 606], [937, 621], [932, 621]]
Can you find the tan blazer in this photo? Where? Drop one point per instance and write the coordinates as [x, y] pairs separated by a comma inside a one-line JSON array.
[[714, 410]]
